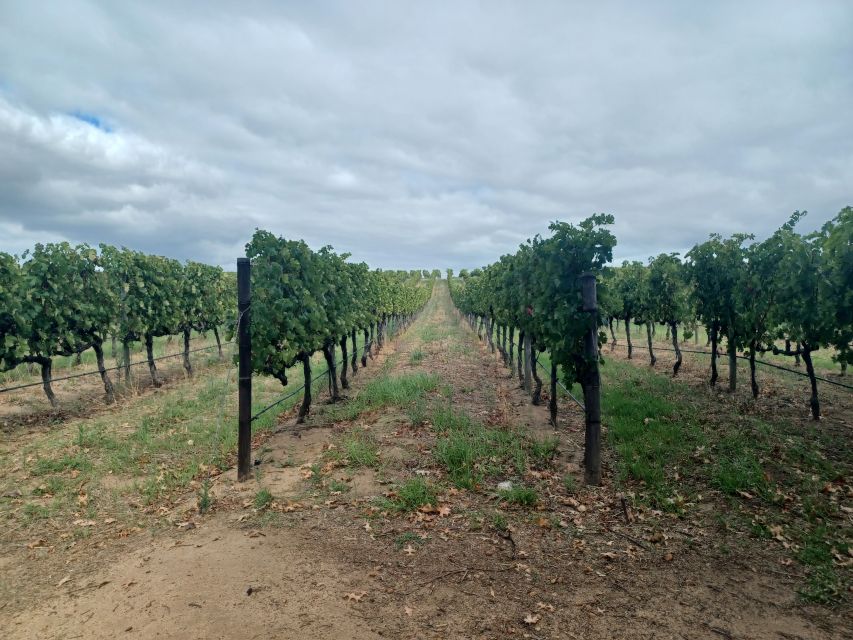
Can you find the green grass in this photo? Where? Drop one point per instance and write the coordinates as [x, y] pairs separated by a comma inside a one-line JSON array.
[[471, 452], [410, 496], [67, 462], [520, 495], [263, 499], [407, 538], [416, 357], [204, 501], [395, 391], [652, 433], [358, 449], [672, 444]]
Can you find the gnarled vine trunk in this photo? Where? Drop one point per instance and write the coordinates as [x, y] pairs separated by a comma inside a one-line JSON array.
[[520, 358], [344, 381], [674, 334], [365, 349], [329, 355], [47, 379], [807, 358], [628, 336], [511, 344], [306, 395], [354, 363], [218, 341], [152, 366], [652, 358], [102, 369], [612, 335], [536, 397], [528, 361]]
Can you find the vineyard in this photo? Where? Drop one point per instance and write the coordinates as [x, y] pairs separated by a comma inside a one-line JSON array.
[[369, 453]]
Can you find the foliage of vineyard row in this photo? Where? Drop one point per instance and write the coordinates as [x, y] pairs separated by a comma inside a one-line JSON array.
[[792, 289], [305, 301], [536, 292], [61, 300]]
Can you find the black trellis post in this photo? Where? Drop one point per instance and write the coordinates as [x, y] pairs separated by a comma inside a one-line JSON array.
[[244, 382], [591, 384]]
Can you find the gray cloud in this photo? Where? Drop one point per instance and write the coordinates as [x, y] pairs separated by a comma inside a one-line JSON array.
[[419, 134]]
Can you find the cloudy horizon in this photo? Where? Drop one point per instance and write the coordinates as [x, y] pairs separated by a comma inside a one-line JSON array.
[[419, 135]]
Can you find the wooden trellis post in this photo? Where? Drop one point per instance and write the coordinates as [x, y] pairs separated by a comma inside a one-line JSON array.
[[591, 384], [244, 380]]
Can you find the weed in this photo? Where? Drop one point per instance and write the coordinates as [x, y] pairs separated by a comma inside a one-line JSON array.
[[263, 499], [412, 494], [336, 486], [407, 538], [204, 499], [570, 484], [823, 586], [416, 357], [399, 391], [469, 451], [542, 452], [520, 495], [67, 462], [499, 521], [360, 449]]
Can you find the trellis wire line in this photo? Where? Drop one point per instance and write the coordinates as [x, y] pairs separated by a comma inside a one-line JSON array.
[[561, 385], [96, 372], [314, 379], [544, 370], [295, 392], [762, 362]]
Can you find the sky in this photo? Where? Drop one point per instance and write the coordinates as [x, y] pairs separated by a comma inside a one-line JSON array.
[[419, 134]]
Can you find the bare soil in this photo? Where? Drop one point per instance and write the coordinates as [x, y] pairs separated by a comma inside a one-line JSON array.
[[325, 563]]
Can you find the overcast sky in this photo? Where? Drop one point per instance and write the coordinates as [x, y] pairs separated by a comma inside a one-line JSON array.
[[419, 134]]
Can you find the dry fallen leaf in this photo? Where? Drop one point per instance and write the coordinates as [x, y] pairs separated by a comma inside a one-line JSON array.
[[543, 522], [408, 610], [63, 581], [444, 511], [84, 523], [36, 543], [409, 550], [532, 618], [355, 597]]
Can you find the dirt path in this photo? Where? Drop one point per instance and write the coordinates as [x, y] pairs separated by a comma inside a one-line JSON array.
[[321, 546]]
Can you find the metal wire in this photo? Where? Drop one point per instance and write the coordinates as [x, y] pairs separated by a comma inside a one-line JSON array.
[[121, 366], [299, 389], [762, 362]]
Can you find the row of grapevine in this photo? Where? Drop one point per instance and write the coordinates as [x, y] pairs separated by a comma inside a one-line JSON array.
[[305, 301], [61, 300], [790, 289], [537, 293]]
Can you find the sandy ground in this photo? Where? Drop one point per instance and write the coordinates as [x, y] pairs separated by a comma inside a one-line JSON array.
[[324, 564]]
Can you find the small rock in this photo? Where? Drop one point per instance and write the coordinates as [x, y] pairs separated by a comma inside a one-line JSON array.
[[506, 485]]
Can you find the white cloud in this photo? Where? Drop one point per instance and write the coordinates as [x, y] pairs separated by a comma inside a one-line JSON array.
[[419, 135]]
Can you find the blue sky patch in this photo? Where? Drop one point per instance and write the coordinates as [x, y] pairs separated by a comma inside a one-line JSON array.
[[93, 120]]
